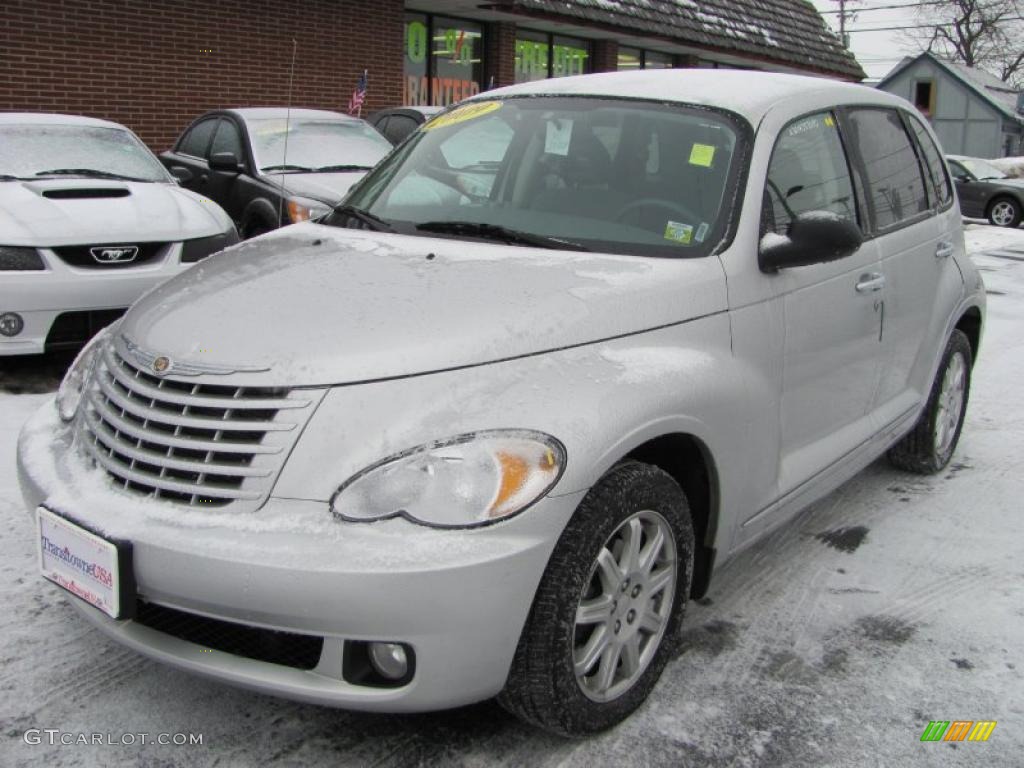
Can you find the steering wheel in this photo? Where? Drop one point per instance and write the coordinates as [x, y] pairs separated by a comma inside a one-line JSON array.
[[675, 210]]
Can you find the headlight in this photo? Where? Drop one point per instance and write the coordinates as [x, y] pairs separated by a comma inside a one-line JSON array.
[[468, 480], [69, 394], [201, 247], [303, 209]]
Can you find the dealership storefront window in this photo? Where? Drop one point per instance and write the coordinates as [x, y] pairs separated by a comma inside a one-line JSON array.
[[540, 56], [635, 58], [443, 60]]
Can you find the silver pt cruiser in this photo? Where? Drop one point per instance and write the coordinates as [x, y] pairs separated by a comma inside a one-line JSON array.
[[485, 429]]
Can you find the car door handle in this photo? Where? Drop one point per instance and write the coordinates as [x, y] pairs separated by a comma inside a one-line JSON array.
[[870, 282], [944, 249]]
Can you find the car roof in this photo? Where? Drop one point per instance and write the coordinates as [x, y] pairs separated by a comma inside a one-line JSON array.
[[745, 92], [49, 118], [265, 113]]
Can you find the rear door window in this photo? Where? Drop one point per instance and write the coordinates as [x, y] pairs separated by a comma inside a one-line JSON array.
[[197, 140], [227, 139], [808, 172], [398, 127], [895, 185]]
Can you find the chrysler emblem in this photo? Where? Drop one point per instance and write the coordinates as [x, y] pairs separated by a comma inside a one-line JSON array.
[[114, 254], [161, 364]]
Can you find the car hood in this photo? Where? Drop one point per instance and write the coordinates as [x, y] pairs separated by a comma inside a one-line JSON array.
[[326, 187], [314, 305], [52, 212]]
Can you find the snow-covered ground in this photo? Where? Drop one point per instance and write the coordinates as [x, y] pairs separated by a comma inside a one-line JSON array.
[[895, 601]]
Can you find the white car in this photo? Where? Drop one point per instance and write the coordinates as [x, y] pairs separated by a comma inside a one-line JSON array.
[[89, 221]]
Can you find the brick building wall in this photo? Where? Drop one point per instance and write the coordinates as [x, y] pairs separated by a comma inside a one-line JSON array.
[[154, 65]]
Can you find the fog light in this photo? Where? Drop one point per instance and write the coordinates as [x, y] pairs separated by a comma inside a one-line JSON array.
[[11, 323], [389, 660]]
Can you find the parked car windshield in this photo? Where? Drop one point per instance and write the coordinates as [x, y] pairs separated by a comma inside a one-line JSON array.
[[316, 145], [982, 170], [30, 151], [611, 175]]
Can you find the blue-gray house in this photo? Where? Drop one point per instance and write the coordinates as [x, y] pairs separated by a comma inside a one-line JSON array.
[[973, 112]]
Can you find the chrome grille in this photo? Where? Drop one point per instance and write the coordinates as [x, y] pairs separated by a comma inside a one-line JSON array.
[[207, 445]]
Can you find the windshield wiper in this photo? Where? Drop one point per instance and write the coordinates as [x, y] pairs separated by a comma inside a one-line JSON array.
[[342, 168], [500, 233], [8, 177], [287, 167], [372, 221], [90, 172]]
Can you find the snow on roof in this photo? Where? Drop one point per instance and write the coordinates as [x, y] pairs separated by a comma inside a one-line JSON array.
[[786, 31], [265, 113], [48, 118], [747, 93]]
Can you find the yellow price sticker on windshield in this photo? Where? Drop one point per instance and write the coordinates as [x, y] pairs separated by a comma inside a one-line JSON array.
[[462, 114], [702, 155]]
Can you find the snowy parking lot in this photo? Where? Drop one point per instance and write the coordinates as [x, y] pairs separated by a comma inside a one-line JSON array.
[[895, 601]]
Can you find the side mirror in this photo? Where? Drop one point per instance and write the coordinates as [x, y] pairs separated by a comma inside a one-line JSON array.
[[814, 237], [224, 161], [962, 179], [182, 174]]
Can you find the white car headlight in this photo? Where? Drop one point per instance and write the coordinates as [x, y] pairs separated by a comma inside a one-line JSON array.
[[469, 480], [72, 387]]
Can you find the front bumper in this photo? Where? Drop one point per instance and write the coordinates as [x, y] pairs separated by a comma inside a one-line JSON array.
[[40, 297], [458, 598]]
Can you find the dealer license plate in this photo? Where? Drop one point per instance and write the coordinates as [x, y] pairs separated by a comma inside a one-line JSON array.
[[86, 565]]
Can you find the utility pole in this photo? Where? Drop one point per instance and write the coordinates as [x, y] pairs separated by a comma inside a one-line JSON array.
[[842, 24]]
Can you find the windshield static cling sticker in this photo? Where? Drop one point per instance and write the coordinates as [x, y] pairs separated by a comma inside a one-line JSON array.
[[462, 114], [702, 155], [678, 232], [556, 139], [702, 232]]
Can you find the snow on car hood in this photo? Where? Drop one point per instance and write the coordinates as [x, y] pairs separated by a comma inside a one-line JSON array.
[[150, 211], [326, 187], [314, 305]]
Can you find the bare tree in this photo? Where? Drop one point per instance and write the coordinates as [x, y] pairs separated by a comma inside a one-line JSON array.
[[988, 34]]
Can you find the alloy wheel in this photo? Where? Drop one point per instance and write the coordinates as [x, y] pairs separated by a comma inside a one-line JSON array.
[[1003, 213], [625, 606], [950, 404]]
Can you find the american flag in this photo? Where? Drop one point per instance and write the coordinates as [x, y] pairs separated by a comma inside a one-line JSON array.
[[355, 104]]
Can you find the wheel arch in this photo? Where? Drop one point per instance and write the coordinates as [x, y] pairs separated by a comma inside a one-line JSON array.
[[970, 324], [688, 460], [259, 209]]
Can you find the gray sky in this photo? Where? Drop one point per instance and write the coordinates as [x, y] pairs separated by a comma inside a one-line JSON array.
[[877, 52]]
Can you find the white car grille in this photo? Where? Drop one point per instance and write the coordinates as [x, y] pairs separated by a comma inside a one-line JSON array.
[[207, 445]]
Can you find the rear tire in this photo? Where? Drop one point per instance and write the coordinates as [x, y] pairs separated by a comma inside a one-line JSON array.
[[1005, 212], [606, 616], [929, 446]]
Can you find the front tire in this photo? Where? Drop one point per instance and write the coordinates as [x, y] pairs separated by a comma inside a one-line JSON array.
[[929, 446], [607, 612], [1005, 212]]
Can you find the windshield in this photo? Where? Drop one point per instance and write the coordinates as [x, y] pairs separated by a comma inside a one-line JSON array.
[[31, 151], [602, 174], [316, 144], [982, 170]]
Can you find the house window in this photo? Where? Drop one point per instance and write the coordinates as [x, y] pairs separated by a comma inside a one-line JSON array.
[[540, 56], [443, 60], [924, 96], [634, 58]]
